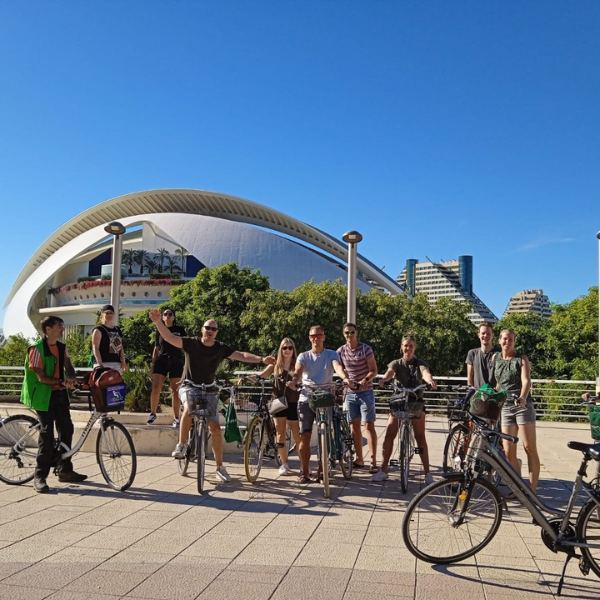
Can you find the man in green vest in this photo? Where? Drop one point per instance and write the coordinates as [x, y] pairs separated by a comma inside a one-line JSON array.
[[45, 390]]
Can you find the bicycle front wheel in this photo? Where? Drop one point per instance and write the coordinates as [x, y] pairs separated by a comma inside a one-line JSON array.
[[587, 529], [433, 528], [455, 448], [18, 449], [346, 453], [116, 455], [254, 448], [201, 444], [404, 456], [190, 451], [324, 455]]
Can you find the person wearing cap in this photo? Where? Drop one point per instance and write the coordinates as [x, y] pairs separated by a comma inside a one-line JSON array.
[[107, 342]]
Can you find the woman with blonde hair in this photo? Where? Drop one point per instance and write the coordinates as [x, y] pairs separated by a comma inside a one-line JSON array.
[[283, 371]]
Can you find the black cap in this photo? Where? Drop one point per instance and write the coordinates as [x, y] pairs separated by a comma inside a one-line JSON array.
[[107, 307]]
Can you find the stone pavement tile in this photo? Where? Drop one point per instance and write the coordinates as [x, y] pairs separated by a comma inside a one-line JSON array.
[[219, 546], [221, 589], [177, 582], [145, 519], [513, 568], [50, 575], [30, 525], [233, 525], [64, 537], [342, 535], [510, 589], [255, 573], [466, 584], [448, 594], [369, 589], [105, 582], [384, 536], [337, 518], [466, 569], [328, 554], [116, 538], [270, 551], [68, 595], [374, 558], [392, 519], [74, 554], [500, 547], [13, 592], [26, 552], [313, 583], [168, 542], [199, 562], [134, 560], [106, 515]]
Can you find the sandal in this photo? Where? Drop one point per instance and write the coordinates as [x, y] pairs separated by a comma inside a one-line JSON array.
[[373, 469], [303, 479]]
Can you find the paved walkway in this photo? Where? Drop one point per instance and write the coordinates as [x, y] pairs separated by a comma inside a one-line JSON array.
[[272, 540]]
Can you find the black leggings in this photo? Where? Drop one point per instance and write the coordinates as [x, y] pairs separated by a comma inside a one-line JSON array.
[[58, 412]]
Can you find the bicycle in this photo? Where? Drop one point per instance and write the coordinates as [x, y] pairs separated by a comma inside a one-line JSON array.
[[453, 519], [115, 451], [342, 447], [405, 406]]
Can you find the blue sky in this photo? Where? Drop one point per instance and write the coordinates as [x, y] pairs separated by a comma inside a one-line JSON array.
[[434, 128]]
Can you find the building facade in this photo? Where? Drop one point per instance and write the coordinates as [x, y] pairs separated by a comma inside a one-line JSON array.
[[529, 301], [448, 279]]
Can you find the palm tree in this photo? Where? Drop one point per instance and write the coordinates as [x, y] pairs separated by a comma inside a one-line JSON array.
[[140, 256], [172, 264], [183, 253], [160, 255], [129, 259], [150, 262]]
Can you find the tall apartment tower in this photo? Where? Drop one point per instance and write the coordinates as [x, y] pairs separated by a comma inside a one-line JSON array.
[[453, 279], [533, 301]]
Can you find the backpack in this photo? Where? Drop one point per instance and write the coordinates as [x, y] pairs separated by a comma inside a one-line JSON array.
[[107, 389]]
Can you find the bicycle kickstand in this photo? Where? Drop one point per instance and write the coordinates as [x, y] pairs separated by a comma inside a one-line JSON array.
[[562, 575]]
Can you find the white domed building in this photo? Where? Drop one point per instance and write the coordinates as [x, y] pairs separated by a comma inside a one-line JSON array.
[[176, 231]]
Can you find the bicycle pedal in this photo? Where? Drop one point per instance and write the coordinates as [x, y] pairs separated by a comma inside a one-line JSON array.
[[418, 450], [584, 566], [394, 462]]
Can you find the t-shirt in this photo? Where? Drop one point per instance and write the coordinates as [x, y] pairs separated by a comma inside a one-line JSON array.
[[409, 374], [36, 361], [202, 362], [166, 349], [355, 361], [110, 343], [482, 363], [318, 368]]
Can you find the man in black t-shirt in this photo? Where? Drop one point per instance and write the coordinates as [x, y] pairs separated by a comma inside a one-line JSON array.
[[480, 360], [203, 355]]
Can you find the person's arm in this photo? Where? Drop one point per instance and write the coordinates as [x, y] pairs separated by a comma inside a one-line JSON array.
[[372, 364], [298, 370], [96, 339], [470, 375], [428, 378], [174, 340], [389, 374], [339, 370], [525, 380], [248, 357], [71, 380], [267, 372]]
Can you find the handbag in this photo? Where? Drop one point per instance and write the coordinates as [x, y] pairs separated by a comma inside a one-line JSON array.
[[278, 405]]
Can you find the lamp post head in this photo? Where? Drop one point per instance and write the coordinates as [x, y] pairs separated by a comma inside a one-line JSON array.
[[115, 228], [352, 237], [598, 235]]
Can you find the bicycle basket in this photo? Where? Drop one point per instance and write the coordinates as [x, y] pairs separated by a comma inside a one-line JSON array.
[[193, 397], [595, 421], [401, 409], [487, 402], [457, 407], [319, 398]]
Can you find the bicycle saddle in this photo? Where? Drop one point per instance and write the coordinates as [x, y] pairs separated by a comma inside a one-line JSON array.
[[590, 450]]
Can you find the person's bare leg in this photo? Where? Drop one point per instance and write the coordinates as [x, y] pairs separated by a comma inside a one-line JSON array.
[[421, 440], [527, 433], [184, 425], [280, 428], [175, 402], [510, 449], [358, 441], [158, 381], [371, 436], [295, 425], [217, 442], [304, 453], [388, 442]]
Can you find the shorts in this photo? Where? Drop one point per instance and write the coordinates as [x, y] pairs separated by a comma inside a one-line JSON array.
[[307, 417], [212, 402], [166, 365], [290, 413], [520, 417], [361, 405]]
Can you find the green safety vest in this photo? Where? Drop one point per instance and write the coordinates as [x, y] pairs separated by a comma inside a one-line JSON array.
[[35, 394]]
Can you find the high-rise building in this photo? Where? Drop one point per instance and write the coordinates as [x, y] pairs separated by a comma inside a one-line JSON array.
[[452, 278], [533, 301]]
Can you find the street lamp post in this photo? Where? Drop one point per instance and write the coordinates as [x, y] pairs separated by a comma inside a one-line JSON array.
[[352, 238], [117, 230]]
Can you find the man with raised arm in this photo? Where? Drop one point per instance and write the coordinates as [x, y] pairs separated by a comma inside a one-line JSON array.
[[315, 367], [480, 360], [203, 355], [44, 389]]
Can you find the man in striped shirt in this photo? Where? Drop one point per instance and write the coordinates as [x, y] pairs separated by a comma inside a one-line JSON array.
[[359, 363]]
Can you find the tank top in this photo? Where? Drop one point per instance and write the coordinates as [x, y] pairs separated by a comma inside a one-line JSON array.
[[508, 374], [281, 389]]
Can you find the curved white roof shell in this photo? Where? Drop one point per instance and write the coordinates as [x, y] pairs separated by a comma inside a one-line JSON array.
[[232, 242]]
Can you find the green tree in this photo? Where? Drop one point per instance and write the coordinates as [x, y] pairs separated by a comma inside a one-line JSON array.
[[140, 257], [182, 252], [150, 263], [12, 353], [129, 259], [172, 264], [161, 255], [80, 348], [138, 337]]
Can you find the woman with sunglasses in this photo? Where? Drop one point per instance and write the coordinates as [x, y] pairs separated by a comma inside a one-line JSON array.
[[166, 360], [283, 370]]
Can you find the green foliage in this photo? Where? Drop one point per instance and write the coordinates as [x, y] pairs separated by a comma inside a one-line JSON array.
[[139, 385], [138, 337], [80, 348], [12, 353]]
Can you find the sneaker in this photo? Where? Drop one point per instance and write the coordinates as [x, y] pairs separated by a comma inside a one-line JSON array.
[[380, 476], [71, 477], [222, 474], [176, 423], [151, 419], [428, 479], [179, 451], [40, 485], [284, 469]]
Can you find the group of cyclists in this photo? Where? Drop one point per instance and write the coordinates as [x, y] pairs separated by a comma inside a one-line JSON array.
[[196, 358]]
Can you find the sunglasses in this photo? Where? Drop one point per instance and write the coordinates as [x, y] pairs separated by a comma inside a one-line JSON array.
[[168, 314], [316, 336], [287, 347], [209, 328], [350, 332]]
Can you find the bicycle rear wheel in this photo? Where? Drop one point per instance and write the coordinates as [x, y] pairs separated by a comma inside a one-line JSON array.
[[254, 448], [404, 456], [455, 448], [431, 527], [201, 440], [116, 454], [190, 451], [18, 449], [587, 529], [346, 449]]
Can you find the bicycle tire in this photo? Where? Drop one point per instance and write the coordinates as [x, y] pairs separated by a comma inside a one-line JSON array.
[[254, 449], [587, 529], [18, 467], [455, 448], [431, 535], [403, 457], [324, 445], [116, 455], [190, 451], [201, 441], [272, 442], [289, 439], [346, 459]]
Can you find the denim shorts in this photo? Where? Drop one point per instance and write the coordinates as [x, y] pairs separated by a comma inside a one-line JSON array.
[[520, 417], [361, 405]]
